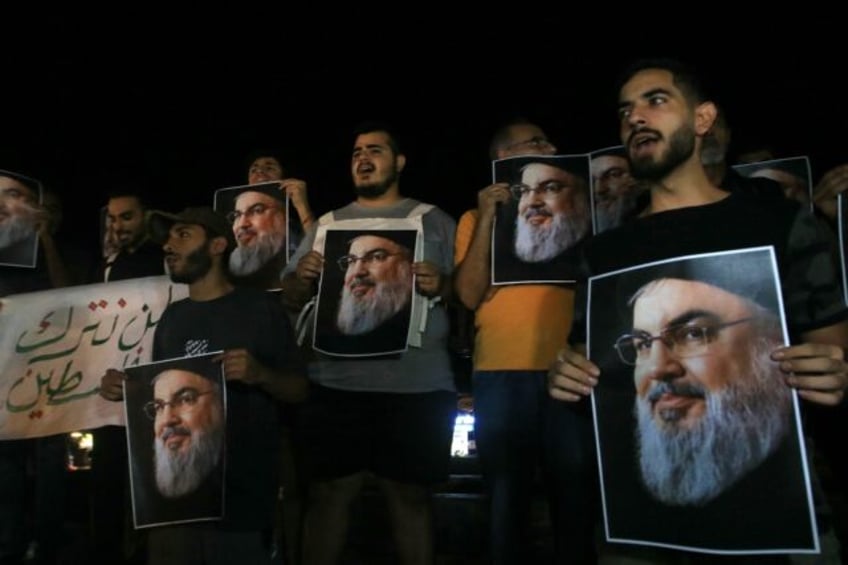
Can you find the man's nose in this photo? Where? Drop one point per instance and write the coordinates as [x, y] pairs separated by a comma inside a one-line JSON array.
[[242, 221], [537, 196], [170, 414], [636, 118], [360, 267], [661, 364]]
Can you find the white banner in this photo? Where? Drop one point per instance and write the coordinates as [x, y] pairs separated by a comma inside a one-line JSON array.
[[55, 346]]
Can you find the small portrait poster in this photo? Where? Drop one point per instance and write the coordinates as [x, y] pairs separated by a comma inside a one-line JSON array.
[[615, 193], [20, 216], [537, 232], [259, 214], [176, 435], [699, 438], [366, 291]]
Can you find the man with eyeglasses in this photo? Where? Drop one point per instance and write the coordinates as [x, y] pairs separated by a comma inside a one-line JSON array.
[[377, 284], [262, 368], [711, 406], [553, 212], [188, 421], [259, 225], [521, 435], [388, 416], [664, 113]]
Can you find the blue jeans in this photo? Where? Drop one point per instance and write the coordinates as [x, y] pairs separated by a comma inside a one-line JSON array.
[[523, 434]]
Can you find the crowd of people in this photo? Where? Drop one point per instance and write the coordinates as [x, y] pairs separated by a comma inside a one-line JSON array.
[[308, 426]]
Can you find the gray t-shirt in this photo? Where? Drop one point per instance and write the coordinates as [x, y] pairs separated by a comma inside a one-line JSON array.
[[419, 369]]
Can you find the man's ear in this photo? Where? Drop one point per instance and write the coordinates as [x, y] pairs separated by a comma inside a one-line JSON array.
[[218, 245], [401, 162], [705, 117]]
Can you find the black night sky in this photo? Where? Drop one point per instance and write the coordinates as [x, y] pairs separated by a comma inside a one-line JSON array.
[[181, 105]]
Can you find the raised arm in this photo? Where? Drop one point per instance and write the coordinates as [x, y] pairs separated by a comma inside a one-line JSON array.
[[472, 275]]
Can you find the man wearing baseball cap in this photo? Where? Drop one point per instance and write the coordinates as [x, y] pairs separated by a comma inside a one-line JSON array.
[[261, 365]]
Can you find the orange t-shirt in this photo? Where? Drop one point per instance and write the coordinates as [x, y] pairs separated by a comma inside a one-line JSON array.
[[520, 327]]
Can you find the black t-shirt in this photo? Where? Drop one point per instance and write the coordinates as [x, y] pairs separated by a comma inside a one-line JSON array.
[[254, 320], [811, 287], [146, 261]]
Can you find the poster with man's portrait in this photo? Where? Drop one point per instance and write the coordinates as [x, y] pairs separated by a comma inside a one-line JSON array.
[[20, 215], [536, 233], [793, 174], [366, 290], [176, 419], [259, 214], [614, 190], [699, 438]]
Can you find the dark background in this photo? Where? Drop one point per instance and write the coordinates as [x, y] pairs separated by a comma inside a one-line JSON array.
[[180, 100]]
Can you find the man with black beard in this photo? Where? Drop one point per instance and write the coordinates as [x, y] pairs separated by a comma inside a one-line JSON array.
[[356, 401], [261, 365], [19, 216], [664, 114]]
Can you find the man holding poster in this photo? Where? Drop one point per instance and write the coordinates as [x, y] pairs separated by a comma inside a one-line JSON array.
[[664, 114], [261, 365]]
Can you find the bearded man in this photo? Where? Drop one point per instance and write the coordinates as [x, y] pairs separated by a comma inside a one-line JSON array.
[[377, 283], [19, 216]]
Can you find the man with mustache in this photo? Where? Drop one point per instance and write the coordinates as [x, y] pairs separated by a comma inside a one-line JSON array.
[[613, 187], [711, 405], [188, 422], [354, 401], [664, 113], [19, 216], [259, 225], [377, 283], [553, 212], [262, 368]]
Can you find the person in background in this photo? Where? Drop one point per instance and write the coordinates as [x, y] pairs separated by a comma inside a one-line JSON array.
[[518, 430], [389, 416]]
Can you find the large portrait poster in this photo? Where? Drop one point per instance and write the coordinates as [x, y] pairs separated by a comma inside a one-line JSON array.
[[20, 215], [259, 214], [55, 345], [792, 173], [176, 434], [699, 439], [366, 292], [536, 233]]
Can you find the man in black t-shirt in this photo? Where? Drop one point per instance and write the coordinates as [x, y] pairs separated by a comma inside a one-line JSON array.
[[261, 366], [664, 116]]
